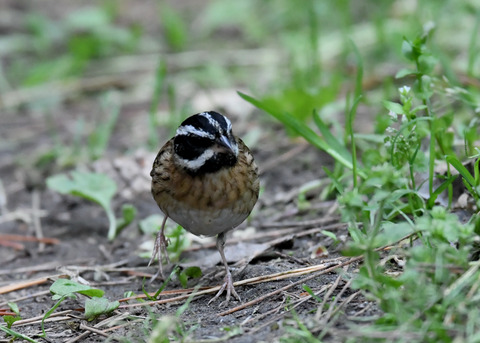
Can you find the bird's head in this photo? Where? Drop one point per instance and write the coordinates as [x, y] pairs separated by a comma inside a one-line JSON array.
[[204, 143]]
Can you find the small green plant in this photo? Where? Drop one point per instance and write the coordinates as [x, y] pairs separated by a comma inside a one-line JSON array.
[[95, 305], [471, 182], [298, 330], [394, 196], [168, 328], [95, 187], [307, 289], [163, 286], [10, 319], [188, 273], [446, 276]]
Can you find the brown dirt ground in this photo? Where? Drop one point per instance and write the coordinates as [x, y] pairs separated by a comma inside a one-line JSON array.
[[84, 251]]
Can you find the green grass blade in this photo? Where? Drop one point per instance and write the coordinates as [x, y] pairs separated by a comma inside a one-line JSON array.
[[100, 137], [440, 189], [350, 120], [476, 172], [331, 141], [17, 334], [49, 313], [336, 182], [431, 154], [300, 128], [461, 169]]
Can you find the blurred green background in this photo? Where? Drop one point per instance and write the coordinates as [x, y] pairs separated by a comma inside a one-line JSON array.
[[295, 55]]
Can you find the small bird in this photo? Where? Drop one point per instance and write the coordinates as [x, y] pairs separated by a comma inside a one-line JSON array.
[[206, 180]]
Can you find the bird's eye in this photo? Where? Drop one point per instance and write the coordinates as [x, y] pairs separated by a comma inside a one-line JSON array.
[[199, 141]]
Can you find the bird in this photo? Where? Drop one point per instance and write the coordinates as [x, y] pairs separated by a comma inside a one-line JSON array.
[[206, 180]]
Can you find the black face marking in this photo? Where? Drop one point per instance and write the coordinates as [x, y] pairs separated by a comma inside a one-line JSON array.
[[190, 147]]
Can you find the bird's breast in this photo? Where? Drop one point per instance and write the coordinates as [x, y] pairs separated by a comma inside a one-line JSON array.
[[205, 204]]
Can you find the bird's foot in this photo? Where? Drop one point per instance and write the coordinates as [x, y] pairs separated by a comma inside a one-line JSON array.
[[228, 286], [160, 249]]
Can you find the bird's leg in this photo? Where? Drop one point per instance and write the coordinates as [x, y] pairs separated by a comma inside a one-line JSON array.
[[228, 283], [160, 249]]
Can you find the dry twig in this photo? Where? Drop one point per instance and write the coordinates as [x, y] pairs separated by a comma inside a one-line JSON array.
[[299, 282], [27, 283], [36, 219]]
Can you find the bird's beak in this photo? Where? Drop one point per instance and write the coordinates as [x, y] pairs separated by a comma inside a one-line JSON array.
[[225, 142], [225, 145]]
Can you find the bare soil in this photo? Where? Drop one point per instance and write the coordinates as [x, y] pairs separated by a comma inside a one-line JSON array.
[[291, 239]]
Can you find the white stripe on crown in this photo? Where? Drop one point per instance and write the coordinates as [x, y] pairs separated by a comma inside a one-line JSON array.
[[186, 130], [215, 123]]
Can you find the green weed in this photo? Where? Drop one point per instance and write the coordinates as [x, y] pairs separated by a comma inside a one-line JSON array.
[[9, 319], [18, 335], [166, 328], [95, 187], [95, 305], [376, 178]]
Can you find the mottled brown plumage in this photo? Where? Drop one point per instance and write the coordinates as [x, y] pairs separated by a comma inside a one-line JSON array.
[[205, 203]]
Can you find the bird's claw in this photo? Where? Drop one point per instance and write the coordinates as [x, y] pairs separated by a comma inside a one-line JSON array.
[[228, 286], [160, 249]]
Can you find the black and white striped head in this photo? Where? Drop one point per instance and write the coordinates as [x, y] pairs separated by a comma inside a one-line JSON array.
[[204, 143]]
